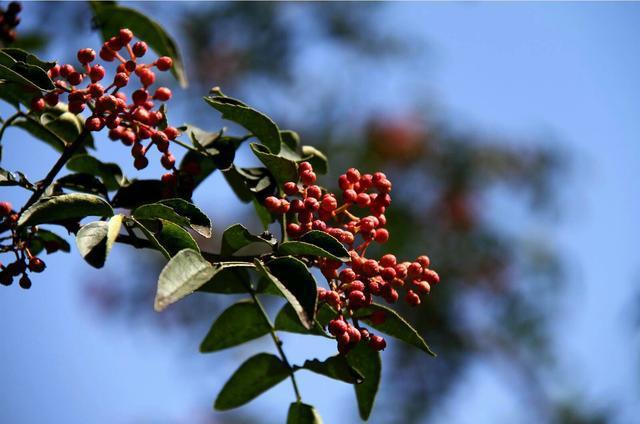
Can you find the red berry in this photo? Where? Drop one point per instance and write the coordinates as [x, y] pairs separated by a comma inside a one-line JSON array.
[[171, 132], [107, 54], [94, 124], [51, 99], [353, 175], [54, 72], [168, 161], [116, 133], [377, 343], [130, 66], [86, 56], [424, 261], [382, 235], [314, 191], [139, 97], [138, 150], [284, 207], [304, 166], [349, 196], [164, 63], [140, 162], [272, 203], [307, 177], [76, 107], [363, 200], [5, 208], [139, 48], [96, 73], [25, 282], [168, 179], [388, 260], [311, 204], [337, 327], [128, 137], [414, 270], [163, 94], [290, 188], [412, 298], [329, 203], [422, 286], [347, 275], [147, 77], [354, 335], [65, 70], [431, 276], [37, 104], [75, 78], [161, 141], [125, 36], [36, 264], [357, 299], [114, 43], [293, 230], [121, 79]]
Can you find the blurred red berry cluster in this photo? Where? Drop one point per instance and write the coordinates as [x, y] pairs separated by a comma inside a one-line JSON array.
[[9, 20]]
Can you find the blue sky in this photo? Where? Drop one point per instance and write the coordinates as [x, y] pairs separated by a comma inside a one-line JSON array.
[[564, 70]]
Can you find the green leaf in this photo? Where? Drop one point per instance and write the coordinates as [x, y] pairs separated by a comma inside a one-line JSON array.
[[138, 192], [181, 276], [28, 58], [238, 241], [395, 326], [149, 236], [239, 323], [85, 183], [157, 210], [315, 243], [316, 158], [110, 173], [28, 74], [287, 320], [255, 376], [295, 282], [56, 127], [336, 367], [230, 279], [291, 139], [281, 168], [255, 122], [301, 413], [95, 240], [14, 179], [110, 18], [65, 207], [198, 220], [366, 361], [47, 241], [172, 237]]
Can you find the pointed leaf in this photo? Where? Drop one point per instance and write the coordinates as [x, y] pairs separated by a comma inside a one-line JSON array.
[[237, 240], [110, 18], [157, 210], [182, 275], [395, 326], [110, 173], [255, 376], [281, 168], [64, 207], [336, 367], [301, 413], [295, 282], [172, 237], [239, 323], [231, 279], [95, 240], [315, 243], [256, 122], [198, 220], [47, 241], [85, 183], [316, 158], [287, 320], [367, 362]]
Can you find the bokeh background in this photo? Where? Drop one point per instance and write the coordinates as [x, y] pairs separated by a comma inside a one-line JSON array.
[[510, 132]]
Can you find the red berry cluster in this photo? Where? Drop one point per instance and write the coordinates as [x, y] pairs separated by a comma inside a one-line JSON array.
[[131, 123], [9, 19], [353, 285], [25, 261]]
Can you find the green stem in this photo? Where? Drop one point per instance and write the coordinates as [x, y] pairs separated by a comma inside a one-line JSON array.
[[277, 342], [186, 146], [6, 124]]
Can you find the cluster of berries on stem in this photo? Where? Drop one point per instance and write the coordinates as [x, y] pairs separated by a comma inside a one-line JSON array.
[[129, 120], [357, 220], [25, 261], [9, 20]]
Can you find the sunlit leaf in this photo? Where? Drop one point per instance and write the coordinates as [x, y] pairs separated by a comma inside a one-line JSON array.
[[64, 207]]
